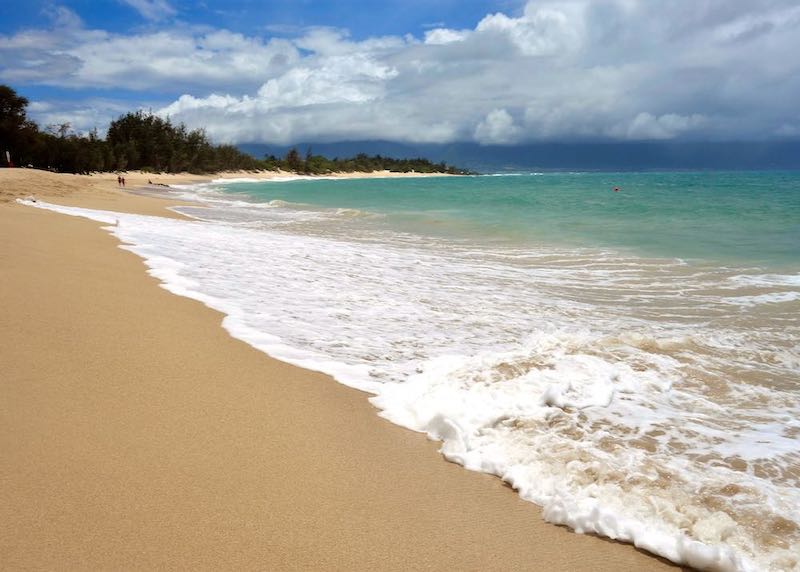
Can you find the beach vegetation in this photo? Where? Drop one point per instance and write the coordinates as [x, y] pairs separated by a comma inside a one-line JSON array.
[[321, 165], [142, 140]]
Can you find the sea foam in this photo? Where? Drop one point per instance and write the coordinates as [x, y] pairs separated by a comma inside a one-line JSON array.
[[582, 379]]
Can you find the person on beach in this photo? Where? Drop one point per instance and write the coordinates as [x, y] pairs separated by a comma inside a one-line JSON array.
[[119, 181], [123, 181]]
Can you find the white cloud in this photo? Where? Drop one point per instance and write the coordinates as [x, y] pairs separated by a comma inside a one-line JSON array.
[[545, 28], [82, 116], [152, 9], [161, 59], [561, 69], [39, 106], [497, 127], [344, 79], [441, 36], [348, 78], [648, 126]]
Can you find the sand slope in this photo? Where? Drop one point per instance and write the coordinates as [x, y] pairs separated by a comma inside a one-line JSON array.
[[135, 433]]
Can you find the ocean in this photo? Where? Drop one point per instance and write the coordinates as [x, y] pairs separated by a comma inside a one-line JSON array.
[[628, 359]]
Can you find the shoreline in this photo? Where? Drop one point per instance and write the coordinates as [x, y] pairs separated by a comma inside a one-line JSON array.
[[140, 434], [99, 190], [14, 183]]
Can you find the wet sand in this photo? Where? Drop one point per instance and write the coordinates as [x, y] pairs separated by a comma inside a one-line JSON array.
[[137, 434]]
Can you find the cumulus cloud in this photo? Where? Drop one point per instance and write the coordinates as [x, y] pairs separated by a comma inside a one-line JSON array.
[[557, 70], [497, 127], [545, 28]]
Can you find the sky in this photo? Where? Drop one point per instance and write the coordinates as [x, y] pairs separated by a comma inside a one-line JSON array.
[[416, 71]]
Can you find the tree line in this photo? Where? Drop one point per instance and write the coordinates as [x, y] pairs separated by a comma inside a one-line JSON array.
[[138, 140], [144, 141], [311, 164]]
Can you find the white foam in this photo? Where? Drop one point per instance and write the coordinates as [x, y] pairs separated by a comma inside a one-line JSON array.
[[532, 174], [235, 180], [769, 298], [766, 279], [527, 365], [273, 179]]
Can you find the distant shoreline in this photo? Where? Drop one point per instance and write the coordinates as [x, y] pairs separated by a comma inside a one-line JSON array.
[[20, 182]]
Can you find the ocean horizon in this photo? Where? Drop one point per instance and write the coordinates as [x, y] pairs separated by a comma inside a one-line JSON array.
[[609, 156]]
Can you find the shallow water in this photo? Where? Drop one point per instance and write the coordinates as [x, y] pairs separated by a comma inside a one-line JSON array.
[[720, 216], [628, 360]]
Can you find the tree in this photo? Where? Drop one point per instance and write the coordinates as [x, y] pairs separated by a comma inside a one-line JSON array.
[[12, 110], [15, 128], [142, 140], [293, 160], [60, 130]]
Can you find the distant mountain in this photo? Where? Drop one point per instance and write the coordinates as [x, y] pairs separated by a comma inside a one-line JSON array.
[[632, 156]]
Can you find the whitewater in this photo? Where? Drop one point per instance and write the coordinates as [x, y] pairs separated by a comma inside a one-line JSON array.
[[647, 399]]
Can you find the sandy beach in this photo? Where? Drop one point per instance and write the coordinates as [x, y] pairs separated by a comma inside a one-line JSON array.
[[18, 183], [137, 434]]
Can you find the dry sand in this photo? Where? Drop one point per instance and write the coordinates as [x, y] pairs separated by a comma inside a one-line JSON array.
[[18, 183], [136, 434]]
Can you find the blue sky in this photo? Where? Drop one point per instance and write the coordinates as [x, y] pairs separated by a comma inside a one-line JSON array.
[[281, 18], [362, 18], [503, 71]]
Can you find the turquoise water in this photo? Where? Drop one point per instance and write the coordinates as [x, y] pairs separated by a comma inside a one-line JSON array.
[[750, 217]]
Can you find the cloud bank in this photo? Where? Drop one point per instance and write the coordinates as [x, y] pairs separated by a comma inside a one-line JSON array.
[[556, 70]]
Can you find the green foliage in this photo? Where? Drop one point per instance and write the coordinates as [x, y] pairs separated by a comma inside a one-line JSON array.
[[293, 162], [145, 141], [134, 141], [320, 165], [151, 143], [16, 131]]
